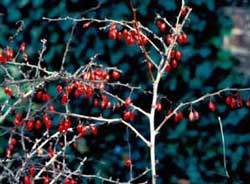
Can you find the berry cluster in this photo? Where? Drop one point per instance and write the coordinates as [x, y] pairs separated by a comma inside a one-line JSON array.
[[82, 130], [28, 179], [7, 54], [130, 36], [175, 57], [233, 101], [51, 117]]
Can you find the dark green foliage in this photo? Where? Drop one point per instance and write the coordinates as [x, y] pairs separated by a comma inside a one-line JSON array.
[[191, 150]]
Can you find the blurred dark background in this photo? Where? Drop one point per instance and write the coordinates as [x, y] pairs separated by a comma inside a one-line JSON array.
[[217, 56]]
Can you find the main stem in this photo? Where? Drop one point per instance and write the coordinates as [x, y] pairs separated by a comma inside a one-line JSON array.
[[152, 129]]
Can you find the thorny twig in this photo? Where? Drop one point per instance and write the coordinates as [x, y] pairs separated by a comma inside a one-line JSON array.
[[40, 144]]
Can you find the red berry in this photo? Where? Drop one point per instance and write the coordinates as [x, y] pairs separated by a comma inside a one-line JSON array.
[[196, 115], [59, 88], [161, 25], [51, 108], [77, 93], [113, 26], [128, 115], [191, 116], [9, 53], [82, 130], [168, 39], [112, 34], [228, 100], [178, 116], [185, 38], [143, 40], [17, 123], [108, 104], [130, 40], [95, 102], [172, 54], [67, 124], [93, 130], [85, 25], [61, 128], [125, 33], [115, 75], [233, 103], [8, 153], [18, 116], [11, 147], [174, 64], [30, 125], [119, 35], [48, 124], [46, 97], [3, 59], [128, 102], [8, 91], [69, 89], [89, 92], [240, 102], [128, 163], [168, 67], [131, 115], [211, 106], [23, 46], [67, 181], [103, 104], [248, 103], [39, 95], [158, 106], [13, 141], [73, 181], [26, 180], [149, 65], [178, 55], [180, 39], [38, 124], [32, 171], [64, 99], [46, 180], [183, 11], [45, 118], [50, 151]]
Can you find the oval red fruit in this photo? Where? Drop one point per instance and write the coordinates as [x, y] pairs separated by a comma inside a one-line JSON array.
[[128, 163], [26, 180], [59, 88], [161, 25], [32, 171], [178, 55], [183, 11], [158, 106], [211, 106], [115, 75], [38, 124], [93, 130]]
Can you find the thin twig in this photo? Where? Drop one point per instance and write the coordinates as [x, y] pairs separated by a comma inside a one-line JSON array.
[[224, 148]]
